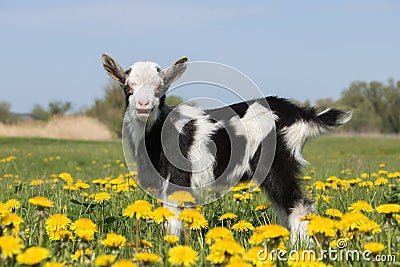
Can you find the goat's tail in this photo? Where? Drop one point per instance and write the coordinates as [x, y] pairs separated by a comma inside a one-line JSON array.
[[331, 118], [312, 125]]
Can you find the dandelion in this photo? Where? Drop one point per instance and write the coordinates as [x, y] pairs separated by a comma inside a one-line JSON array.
[[41, 202], [238, 197], [147, 257], [161, 215], [123, 263], [182, 256], [57, 222], [66, 177], [84, 228], [360, 206], [12, 220], [63, 235], [321, 225], [171, 239], [10, 246], [114, 241], [101, 197], [238, 263], [353, 220], [218, 233], [227, 216], [182, 197], [104, 260], [388, 208], [261, 207], [225, 250], [374, 247], [141, 209], [242, 226], [82, 184], [381, 181], [54, 264], [334, 213], [307, 178], [33, 256], [194, 219], [268, 232], [146, 244], [13, 204]]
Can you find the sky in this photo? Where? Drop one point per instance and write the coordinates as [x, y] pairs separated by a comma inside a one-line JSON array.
[[304, 50]]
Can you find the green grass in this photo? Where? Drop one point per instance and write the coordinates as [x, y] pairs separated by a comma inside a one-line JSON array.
[[44, 159]]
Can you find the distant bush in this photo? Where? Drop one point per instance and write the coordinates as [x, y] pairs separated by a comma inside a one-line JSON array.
[[6, 116], [54, 108]]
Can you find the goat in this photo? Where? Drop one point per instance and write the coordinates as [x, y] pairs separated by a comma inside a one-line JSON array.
[[191, 131]]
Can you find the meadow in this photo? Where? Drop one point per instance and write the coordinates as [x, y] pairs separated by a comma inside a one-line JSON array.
[[93, 214]]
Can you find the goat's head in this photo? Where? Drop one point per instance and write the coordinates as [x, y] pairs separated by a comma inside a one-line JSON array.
[[144, 83]]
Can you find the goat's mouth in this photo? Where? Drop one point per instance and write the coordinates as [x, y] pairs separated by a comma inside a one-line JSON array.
[[142, 114]]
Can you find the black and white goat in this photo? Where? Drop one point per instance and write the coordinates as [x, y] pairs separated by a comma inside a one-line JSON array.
[[193, 130]]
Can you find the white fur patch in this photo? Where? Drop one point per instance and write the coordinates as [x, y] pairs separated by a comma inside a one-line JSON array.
[[295, 136], [297, 227], [201, 158], [255, 125], [174, 225]]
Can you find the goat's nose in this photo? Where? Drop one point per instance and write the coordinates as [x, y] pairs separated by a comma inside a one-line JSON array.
[[143, 103]]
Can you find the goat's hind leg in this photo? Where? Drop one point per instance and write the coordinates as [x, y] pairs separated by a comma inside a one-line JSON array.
[[291, 204]]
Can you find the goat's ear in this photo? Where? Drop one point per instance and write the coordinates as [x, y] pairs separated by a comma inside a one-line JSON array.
[[113, 68], [175, 71]]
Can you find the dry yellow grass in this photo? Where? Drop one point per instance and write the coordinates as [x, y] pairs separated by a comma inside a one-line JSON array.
[[60, 127]]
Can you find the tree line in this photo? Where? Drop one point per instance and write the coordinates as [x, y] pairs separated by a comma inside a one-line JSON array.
[[375, 106]]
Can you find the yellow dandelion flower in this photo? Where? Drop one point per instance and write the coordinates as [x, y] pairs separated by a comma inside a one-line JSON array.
[[238, 197], [62, 234], [161, 215], [146, 244], [84, 228], [12, 219], [238, 263], [261, 207], [41, 202], [114, 240], [227, 216], [79, 253], [82, 184], [182, 197], [368, 184], [147, 257], [321, 225], [334, 213], [54, 264], [388, 208], [104, 260], [70, 187], [193, 218], [57, 222], [101, 197], [397, 217], [270, 231], [10, 246], [353, 220], [13, 204], [242, 226], [370, 227], [360, 206], [171, 239], [382, 165], [225, 248], [123, 263], [381, 181], [182, 256], [4, 210], [141, 209], [307, 177], [374, 247], [33, 256], [319, 185], [99, 181], [66, 177], [218, 233]]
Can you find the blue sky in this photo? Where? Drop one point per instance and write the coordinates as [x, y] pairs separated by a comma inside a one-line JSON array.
[[51, 50]]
